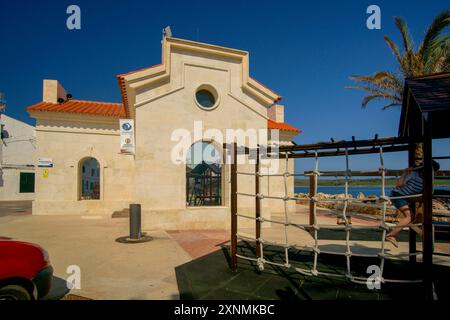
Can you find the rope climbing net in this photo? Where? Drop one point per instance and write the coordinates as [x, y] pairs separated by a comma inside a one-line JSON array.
[[314, 227]]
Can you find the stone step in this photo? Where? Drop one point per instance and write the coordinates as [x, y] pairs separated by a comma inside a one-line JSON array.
[[125, 213]]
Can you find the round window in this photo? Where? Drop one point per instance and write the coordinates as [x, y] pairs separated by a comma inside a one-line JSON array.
[[205, 98]]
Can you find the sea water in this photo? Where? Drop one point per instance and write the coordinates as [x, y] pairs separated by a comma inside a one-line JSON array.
[[353, 190]]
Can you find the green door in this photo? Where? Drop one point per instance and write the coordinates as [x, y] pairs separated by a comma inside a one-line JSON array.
[[26, 182]]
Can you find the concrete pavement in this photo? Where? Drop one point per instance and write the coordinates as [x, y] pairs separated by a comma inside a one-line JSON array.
[[113, 270], [15, 208], [109, 270]]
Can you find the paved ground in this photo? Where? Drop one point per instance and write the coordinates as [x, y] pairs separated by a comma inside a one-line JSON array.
[[209, 277], [109, 270], [336, 242], [198, 243], [113, 270], [15, 208]]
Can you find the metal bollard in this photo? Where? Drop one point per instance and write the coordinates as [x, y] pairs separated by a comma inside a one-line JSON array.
[[135, 221]]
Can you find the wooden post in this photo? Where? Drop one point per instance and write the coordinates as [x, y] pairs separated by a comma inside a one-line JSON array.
[[427, 208], [257, 206], [312, 193], [412, 233], [234, 208]]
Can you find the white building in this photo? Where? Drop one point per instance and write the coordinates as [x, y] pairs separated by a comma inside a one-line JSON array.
[[195, 83], [17, 157]]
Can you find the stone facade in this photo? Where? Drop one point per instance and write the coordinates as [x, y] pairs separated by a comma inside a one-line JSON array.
[[160, 100]]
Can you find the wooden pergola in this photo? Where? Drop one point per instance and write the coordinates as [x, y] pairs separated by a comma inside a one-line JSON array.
[[424, 117]]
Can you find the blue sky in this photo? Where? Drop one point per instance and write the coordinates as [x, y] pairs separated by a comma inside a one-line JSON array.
[[304, 51]]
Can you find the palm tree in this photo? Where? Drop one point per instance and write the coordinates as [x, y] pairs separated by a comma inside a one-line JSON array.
[[431, 56]]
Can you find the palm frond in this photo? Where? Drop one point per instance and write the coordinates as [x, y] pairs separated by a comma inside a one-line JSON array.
[[432, 56], [439, 23], [394, 104], [387, 92], [446, 64], [438, 54], [395, 50], [382, 80], [378, 77], [408, 43], [375, 93], [371, 97]]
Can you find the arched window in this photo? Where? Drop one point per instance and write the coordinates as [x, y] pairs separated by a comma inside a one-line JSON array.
[[89, 181], [203, 175]]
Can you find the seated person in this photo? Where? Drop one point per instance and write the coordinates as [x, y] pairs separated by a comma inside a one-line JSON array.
[[410, 183]]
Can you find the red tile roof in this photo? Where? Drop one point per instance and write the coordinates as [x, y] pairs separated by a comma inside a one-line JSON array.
[[106, 109], [281, 126], [116, 110]]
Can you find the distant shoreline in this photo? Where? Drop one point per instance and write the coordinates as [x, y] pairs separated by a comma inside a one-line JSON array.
[[350, 186], [357, 186], [390, 183]]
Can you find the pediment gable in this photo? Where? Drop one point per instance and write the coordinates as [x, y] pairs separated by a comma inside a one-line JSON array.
[[132, 83]]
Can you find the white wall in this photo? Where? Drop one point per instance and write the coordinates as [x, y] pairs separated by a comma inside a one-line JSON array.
[[160, 183], [17, 152], [68, 139], [150, 177]]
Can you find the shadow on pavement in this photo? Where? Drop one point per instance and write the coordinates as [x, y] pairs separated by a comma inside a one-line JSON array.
[[58, 289], [210, 277], [9, 208]]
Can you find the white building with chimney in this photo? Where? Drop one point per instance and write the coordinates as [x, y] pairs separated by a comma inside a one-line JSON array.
[[102, 156]]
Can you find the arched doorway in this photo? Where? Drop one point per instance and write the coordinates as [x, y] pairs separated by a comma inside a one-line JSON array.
[[89, 179], [203, 175]]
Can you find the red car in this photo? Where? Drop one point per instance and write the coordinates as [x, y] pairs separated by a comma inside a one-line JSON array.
[[25, 270]]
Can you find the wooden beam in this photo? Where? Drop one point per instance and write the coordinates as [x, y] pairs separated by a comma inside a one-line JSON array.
[[352, 145], [233, 208], [312, 193], [427, 208], [345, 144], [350, 152], [412, 234]]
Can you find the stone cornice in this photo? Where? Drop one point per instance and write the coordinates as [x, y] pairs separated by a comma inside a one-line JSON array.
[[160, 74]]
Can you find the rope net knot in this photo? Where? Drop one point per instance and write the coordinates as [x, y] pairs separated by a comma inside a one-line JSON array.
[[313, 227]]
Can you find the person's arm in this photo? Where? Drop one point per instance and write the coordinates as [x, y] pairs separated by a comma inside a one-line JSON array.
[[401, 180]]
